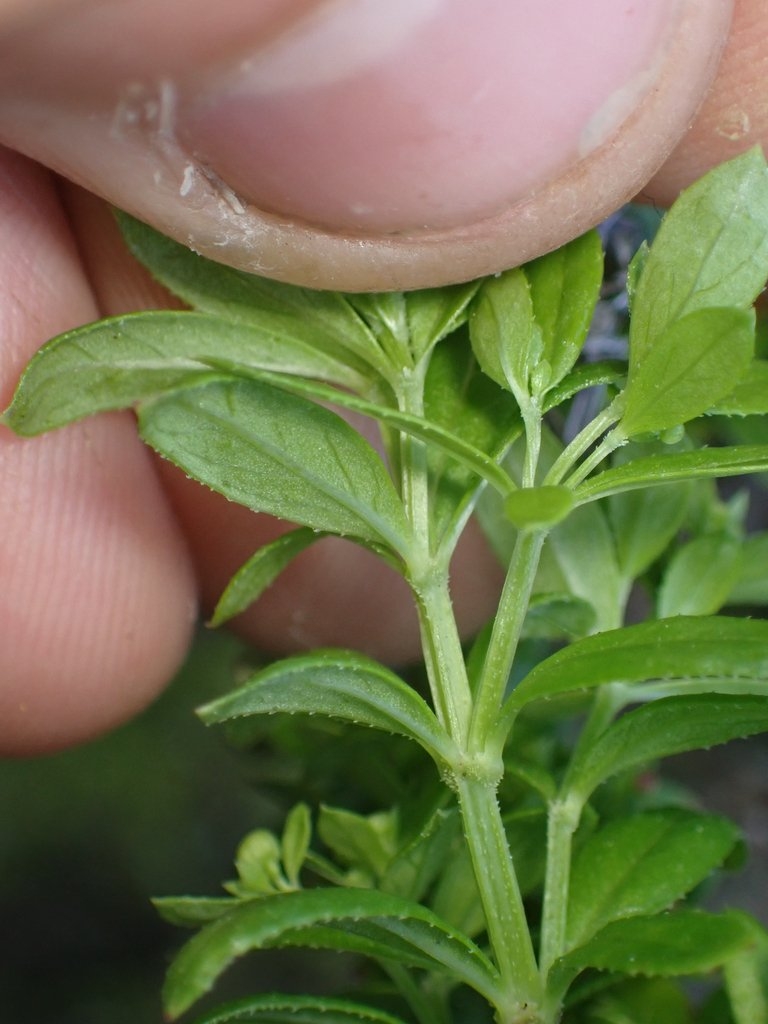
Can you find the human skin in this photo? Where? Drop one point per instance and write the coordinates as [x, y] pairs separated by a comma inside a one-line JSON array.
[[104, 555]]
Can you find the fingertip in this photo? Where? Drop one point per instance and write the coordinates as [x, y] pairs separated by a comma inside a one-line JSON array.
[[358, 149]]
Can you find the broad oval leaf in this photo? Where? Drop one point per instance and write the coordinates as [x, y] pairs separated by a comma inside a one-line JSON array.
[[678, 943], [352, 920], [642, 865], [667, 726], [276, 452], [711, 250], [654, 470], [694, 649], [700, 575], [260, 571], [696, 361], [340, 684], [290, 1009]]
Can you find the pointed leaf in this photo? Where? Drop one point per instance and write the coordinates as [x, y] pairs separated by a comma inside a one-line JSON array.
[[321, 319], [738, 460], [695, 362], [339, 684], [724, 650], [260, 571], [290, 1009], [680, 943], [505, 337], [277, 453], [642, 865], [565, 286], [294, 842], [667, 726], [711, 250], [117, 362], [355, 920], [700, 576]]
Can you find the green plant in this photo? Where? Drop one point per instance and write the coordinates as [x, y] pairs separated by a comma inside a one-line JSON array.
[[524, 869]]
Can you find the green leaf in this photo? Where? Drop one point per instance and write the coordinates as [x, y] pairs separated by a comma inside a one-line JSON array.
[[635, 272], [260, 571], [644, 522], [653, 470], [728, 652], [667, 726], [290, 1009], [434, 313], [457, 392], [700, 576], [367, 842], [535, 507], [750, 397], [746, 979], [642, 865], [325, 321], [446, 442], [752, 585], [115, 363], [277, 453], [711, 250], [258, 864], [505, 337], [294, 842], [586, 375], [421, 859], [682, 942], [583, 550], [696, 361], [339, 684], [558, 616], [193, 911], [353, 920], [565, 286]]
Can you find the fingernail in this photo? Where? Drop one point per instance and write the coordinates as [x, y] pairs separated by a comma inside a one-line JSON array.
[[423, 114]]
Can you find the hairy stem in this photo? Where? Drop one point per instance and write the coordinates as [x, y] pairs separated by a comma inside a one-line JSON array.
[[505, 636], [502, 903]]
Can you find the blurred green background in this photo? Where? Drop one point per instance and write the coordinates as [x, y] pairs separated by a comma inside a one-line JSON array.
[[89, 836]]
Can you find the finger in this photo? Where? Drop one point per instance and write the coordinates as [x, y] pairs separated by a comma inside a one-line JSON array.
[[97, 596], [734, 116], [358, 145]]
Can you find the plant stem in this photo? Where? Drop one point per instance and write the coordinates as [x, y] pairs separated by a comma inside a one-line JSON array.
[[562, 822], [505, 636], [502, 903], [443, 656], [583, 440]]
